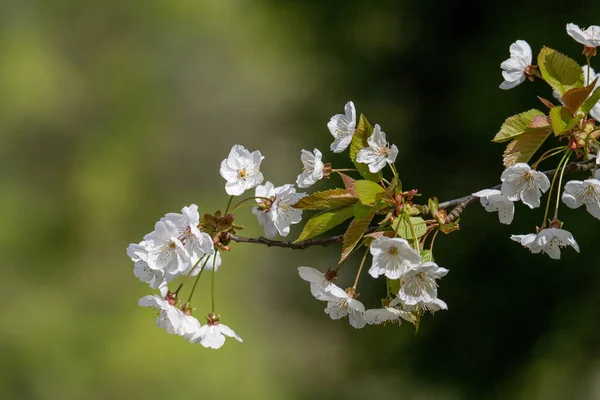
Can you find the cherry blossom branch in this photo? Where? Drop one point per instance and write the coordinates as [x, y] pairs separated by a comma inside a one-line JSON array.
[[457, 206]]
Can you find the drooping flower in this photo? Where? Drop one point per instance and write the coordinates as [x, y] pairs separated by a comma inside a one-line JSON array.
[[344, 305], [589, 38], [320, 285], [419, 290], [548, 241], [275, 212], [342, 128], [578, 193], [170, 317], [520, 182], [241, 170], [165, 250], [378, 316], [516, 68], [392, 257], [212, 335], [313, 168], [494, 200], [379, 151], [195, 242]]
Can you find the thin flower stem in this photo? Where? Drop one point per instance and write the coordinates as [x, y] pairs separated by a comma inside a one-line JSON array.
[[393, 167], [228, 205], [433, 240], [188, 274], [588, 70], [238, 205], [551, 189], [545, 156], [212, 284], [345, 170], [197, 279], [387, 288], [360, 269], [562, 172], [414, 234]]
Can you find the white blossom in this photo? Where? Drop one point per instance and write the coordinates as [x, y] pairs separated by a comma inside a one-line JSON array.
[[578, 193], [344, 305], [241, 170], [212, 335], [589, 37], [195, 242], [170, 317], [320, 286], [165, 250], [514, 68], [342, 128], [520, 182], [277, 214], [392, 257], [313, 168], [379, 151], [548, 241], [419, 289], [595, 111], [493, 200], [378, 316]]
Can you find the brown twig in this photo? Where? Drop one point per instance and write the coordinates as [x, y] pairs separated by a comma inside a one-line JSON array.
[[457, 206]]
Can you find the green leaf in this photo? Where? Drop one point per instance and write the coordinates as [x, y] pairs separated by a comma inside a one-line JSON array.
[[521, 149], [359, 141], [367, 191], [591, 101], [394, 285], [349, 183], [517, 125], [354, 233], [427, 255], [328, 199], [561, 72], [433, 205], [361, 210], [403, 227], [574, 98], [324, 221], [562, 120], [451, 227]]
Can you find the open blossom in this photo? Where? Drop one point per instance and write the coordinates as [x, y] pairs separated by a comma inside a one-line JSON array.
[[589, 37], [379, 151], [342, 128], [313, 168], [212, 335], [343, 305], [595, 111], [320, 286], [165, 250], [520, 182], [578, 193], [170, 317], [494, 200], [392, 257], [277, 214], [548, 241], [241, 170], [195, 242], [515, 68], [378, 316], [420, 289]]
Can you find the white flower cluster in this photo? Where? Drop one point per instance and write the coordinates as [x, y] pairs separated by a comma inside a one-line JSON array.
[[396, 260]]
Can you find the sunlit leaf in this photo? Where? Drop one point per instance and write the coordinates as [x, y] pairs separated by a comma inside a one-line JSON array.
[[561, 72], [522, 148], [518, 125], [328, 199], [324, 221]]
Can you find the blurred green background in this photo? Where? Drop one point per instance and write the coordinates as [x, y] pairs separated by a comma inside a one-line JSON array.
[[114, 113]]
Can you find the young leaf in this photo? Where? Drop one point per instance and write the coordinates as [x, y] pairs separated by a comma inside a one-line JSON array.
[[359, 141], [521, 149], [591, 102], [349, 183], [367, 191], [361, 211], [451, 227], [433, 205], [427, 255], [324, 221], [562, 120], [561, 72], [517, 125], [328, 199], [403, 227], [354, 233], [574, 98]]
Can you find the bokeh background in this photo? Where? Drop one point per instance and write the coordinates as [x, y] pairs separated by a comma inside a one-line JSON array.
[[113, 113]]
